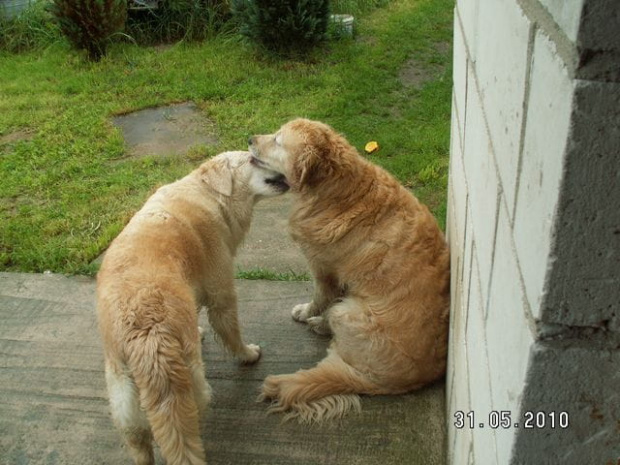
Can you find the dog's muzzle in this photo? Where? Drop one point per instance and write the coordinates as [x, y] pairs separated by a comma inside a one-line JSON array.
[[278, 182]]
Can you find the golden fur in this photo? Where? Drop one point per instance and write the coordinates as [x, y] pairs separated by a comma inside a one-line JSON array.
[[175, 255], [381, 270]]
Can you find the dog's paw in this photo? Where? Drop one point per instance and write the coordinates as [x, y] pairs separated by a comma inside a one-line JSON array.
[[251, 354], [319, 325], [301, 312]]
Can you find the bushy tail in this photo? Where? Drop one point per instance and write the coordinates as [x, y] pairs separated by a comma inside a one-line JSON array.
[[164, 381], [325, 392]]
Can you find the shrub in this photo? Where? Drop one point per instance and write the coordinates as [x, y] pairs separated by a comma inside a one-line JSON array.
[[283, 25], [88, 24], [178, 19]]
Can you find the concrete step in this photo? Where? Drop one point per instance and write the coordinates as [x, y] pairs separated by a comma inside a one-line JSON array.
[[54, 406]]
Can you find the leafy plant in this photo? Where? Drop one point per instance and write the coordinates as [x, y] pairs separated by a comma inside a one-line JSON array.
[[89, 24], [34, 27], [173, 20], [283, 26]]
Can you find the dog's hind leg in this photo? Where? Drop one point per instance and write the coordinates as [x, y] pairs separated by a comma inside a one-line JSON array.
[[127, 414], [202, 389]]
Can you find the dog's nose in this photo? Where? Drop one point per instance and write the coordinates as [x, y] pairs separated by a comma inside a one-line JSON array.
[[250, 140]]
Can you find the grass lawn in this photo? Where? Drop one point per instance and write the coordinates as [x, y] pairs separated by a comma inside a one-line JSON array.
[[67, 189]]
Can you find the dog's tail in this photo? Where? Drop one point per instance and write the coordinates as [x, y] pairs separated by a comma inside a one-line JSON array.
[[164, 381], [325, 392]]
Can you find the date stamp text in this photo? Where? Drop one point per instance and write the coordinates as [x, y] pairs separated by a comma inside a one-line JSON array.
[[504, 419]]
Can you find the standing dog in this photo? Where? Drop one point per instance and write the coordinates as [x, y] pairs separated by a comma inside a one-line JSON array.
[[175, 255], [381, 269]]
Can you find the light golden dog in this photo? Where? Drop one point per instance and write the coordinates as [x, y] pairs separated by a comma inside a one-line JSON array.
[[175, 255], [381, 269]]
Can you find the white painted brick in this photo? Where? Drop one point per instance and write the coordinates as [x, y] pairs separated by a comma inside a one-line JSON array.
[[450, 398], [566, 14], [482, 182], [501, 64], [467, 264], [457, 185], [479, 375], [456, 262], [467, 14], [459, 78], [459, 439], [456, 269], [547, 128], [509, 337], [456, 286], [458, 322], [460, 454], [459, 395]]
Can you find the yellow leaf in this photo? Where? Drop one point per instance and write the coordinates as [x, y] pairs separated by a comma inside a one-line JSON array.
[[371, 146]]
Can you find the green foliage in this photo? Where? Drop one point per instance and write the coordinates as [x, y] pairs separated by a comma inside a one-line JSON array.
[[32, 28], [283, 26], [89, 24], [356, 7], [68, 188], [173, 20], [268, 275]]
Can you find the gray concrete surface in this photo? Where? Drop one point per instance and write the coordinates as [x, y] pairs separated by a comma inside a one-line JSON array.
[[53, 407], [165, 131], [268, 244]]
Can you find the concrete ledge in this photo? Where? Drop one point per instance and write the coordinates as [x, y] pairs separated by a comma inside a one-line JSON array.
[[54, 408]]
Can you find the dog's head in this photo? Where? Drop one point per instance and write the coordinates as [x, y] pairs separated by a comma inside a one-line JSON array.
[[235, 174], [306, 152]]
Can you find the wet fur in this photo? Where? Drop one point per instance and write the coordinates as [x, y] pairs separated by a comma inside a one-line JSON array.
[[381, 270], [174, 256]]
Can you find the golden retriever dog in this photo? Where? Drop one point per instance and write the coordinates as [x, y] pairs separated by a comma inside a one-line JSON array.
[[175, 255], [381, 270]]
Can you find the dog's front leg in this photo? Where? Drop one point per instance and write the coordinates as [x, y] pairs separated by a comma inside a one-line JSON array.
[[201, 330], [326, 290], [222, 313]]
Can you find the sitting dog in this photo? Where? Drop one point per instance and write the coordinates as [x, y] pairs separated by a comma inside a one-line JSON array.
[[175, 255], [381, 270]]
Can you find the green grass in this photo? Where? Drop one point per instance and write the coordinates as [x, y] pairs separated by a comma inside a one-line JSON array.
[[66, 190], [261, 273]]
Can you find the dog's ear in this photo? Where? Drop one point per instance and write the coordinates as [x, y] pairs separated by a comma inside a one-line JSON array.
[[219, 177], [305, 168]]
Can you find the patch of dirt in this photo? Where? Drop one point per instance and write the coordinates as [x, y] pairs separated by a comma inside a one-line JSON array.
[[416, 73], [413, 74], [16, 136], [443, 47], [165, 131], [11, 206]]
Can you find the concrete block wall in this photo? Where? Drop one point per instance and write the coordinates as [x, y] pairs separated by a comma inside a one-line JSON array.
[[534, 229]]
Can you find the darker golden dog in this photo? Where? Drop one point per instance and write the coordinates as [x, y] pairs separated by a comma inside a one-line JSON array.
[[381, 269]]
